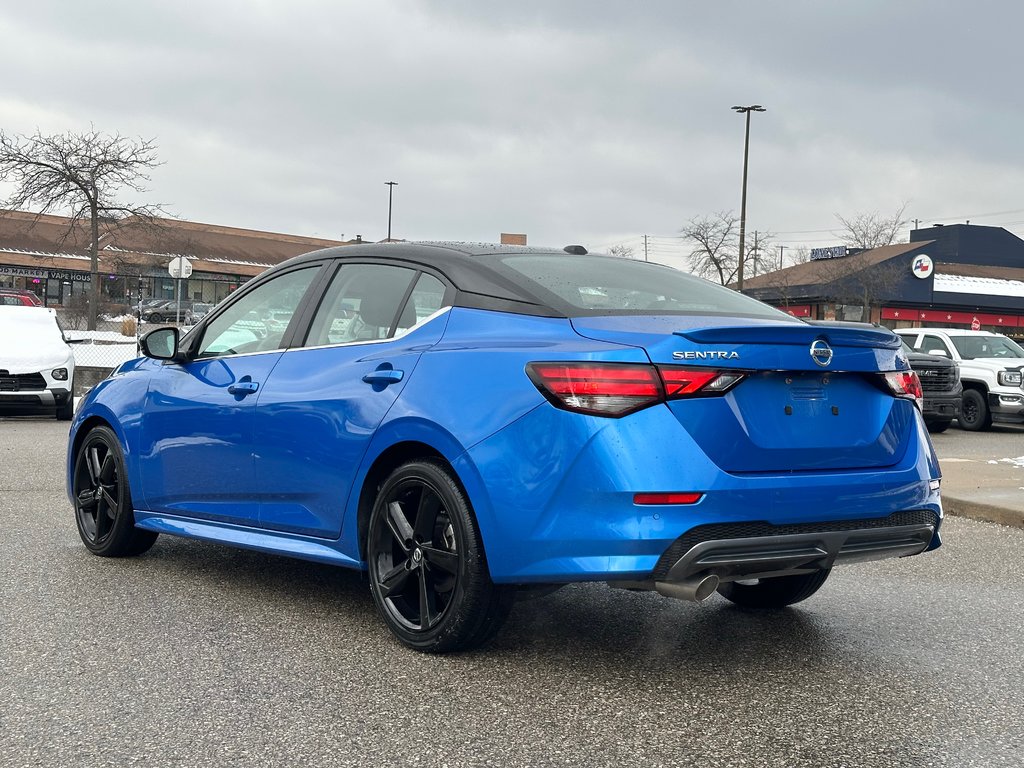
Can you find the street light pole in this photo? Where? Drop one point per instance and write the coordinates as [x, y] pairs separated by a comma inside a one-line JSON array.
[[391, 188], [743, 198]]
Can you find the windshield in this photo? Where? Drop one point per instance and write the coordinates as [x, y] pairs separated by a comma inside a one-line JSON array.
[[971, 347], [605, 285]]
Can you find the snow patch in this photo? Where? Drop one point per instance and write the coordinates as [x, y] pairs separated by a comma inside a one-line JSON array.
[[989, 286], [1017, 462]]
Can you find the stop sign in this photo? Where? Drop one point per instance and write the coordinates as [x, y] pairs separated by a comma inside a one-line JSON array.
[[179, 266]]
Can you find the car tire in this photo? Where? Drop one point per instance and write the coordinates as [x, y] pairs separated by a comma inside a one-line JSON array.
[[774, 593], [67, 411], [156, 318], [102, 499], [974, 413], [428, 574], [938, 427]]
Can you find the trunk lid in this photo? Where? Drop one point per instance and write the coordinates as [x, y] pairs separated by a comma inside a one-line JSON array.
[[794, 411]]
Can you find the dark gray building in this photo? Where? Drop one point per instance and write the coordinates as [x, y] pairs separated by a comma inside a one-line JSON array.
[[959, 275]]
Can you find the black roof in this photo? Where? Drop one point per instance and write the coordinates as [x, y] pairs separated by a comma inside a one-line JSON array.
[[465, 265]]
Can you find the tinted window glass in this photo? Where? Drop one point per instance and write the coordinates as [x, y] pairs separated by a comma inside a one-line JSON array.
[[427, 297], [361, 304], [930, 342], [971, 347], [258, 320], [606, 285]]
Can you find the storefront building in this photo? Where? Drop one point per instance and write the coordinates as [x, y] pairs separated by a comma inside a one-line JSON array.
[[959, 275], [46, 255]]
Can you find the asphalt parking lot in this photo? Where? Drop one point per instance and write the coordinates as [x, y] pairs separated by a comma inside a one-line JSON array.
[[199, 655]]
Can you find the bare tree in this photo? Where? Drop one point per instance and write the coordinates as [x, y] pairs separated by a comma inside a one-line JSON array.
[[715, 245], [81, 173], [759, 253], [854, 281], [800, 254], [785, 285], [871, 230], [622, 251]]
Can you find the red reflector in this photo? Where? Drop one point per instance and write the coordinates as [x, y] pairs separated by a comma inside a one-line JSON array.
[[667, 498]]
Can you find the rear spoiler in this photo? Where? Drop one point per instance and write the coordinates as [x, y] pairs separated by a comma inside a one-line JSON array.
[[837, 334]]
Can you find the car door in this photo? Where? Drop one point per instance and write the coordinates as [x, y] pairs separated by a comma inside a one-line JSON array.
[[323, 401], [196, 451]]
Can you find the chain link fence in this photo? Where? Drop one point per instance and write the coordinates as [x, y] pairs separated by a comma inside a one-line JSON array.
[[116, 337]]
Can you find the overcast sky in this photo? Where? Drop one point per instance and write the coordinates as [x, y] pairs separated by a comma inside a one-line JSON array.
[[583, 121]]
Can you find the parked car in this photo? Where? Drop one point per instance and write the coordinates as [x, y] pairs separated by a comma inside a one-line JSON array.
[[200, 310], [494, 418], [940, 383], [990, 365], [37, 367], [19, 298], [166, 310]]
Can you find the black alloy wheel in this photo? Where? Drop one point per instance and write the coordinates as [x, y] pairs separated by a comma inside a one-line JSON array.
[[103, 503], [428, 574], [974, 412], [776, 592]]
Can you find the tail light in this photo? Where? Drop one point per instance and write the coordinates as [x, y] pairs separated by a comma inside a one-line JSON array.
[[905, 384], [618, 389]]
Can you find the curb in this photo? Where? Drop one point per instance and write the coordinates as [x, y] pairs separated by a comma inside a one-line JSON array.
[[986, 513]]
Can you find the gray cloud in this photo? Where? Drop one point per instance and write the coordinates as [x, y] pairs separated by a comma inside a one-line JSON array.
[[572, 121]]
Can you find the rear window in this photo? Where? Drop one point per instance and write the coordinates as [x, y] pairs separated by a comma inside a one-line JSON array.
[[606, 285]]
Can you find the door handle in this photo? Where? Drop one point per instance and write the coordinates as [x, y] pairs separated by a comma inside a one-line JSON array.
[[243, 388], [383, 376]]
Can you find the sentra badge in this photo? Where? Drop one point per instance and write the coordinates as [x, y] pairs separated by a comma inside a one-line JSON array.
[[709, 355]]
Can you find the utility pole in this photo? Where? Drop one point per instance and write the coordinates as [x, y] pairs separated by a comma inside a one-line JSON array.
[[645, 247], [915, 223], [743, 199], [391, 188], [781, 249]]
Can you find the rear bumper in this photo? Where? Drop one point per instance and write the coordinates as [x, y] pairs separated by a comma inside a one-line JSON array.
[[720, 551], [555, 502]]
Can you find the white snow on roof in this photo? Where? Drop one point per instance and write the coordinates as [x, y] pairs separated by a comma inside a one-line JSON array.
[[193, 257], [990, 286], [45, 254], [218, 260]]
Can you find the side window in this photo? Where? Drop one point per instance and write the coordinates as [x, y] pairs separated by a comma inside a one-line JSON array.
[[258, 320], [426, 298], [361, 304], [930, 342]]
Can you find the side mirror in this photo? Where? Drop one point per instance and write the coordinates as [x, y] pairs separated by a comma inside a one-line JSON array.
[[161, 344], [938, 352]]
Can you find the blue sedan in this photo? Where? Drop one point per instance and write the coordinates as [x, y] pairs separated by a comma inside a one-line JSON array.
[[466, 421]]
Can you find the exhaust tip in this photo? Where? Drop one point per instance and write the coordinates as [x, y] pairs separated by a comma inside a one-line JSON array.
[[695, 590]]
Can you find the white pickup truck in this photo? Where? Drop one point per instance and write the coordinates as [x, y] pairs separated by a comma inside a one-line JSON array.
[[991, 367]]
